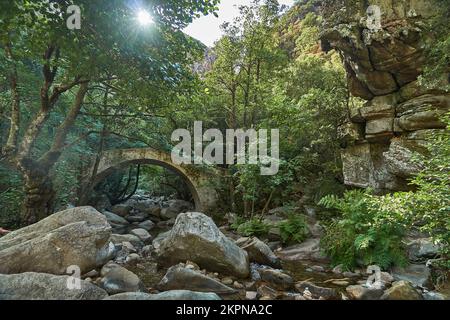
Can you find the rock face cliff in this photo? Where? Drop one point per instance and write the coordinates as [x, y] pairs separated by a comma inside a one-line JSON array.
[[383, 59]]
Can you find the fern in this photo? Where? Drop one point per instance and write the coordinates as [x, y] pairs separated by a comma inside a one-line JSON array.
[[253, 227], [364, 232], [294, 229]]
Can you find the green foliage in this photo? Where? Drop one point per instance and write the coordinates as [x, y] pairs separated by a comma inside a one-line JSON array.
[[253, 227], [437, 49], [311, 101], [159, 181], [428, 208], [133, 72], [257, 80], [294, 229], [431, 205], [363, 233], [238, 221], [370, 228], [262, 190], [11, 196]]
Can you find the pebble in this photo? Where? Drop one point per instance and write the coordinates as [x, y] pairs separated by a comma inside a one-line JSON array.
[[91, 274], [142, 234], [127, 245], [250, 285], [147, 250], [337, 269], [227, 281], [251, 295], [317, 269], [192, 265], [132, 258]]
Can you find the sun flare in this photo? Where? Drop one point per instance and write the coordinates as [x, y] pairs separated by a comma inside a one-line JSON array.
[[144, 18]]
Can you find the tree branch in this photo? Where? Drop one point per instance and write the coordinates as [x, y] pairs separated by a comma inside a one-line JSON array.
[[122, 115], [51, 156], [11, 142]]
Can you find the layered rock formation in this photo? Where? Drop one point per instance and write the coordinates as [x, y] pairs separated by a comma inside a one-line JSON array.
[[383, 62]]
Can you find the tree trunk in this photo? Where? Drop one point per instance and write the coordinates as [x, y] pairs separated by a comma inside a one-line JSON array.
[[39, 196], [11, 143]]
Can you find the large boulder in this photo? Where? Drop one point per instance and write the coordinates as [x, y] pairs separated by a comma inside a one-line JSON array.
[[77, 236], [167, 295], [43, 286], [196, 238], [187, 278]]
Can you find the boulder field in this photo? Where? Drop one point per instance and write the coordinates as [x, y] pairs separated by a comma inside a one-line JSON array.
[[84, 254]]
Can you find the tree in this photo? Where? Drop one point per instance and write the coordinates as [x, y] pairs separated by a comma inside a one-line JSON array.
[[247, 59], [109, 49]]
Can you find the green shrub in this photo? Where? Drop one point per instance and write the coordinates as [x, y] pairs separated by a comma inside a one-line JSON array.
[[253, 227], [428, 208], [294, 229], [239, 220], [363, 234]]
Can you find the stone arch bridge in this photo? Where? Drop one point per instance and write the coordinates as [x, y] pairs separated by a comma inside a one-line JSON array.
[[198, 181]]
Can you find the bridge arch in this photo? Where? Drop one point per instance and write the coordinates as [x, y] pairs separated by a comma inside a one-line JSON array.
[[205, 196]]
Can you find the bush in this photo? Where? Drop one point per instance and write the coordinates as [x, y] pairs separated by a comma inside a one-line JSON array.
[[252, 227], [370, 228], [428, 208], [364, 234], [294, 229]]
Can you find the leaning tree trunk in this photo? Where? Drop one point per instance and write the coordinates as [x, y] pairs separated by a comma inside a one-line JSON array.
[[39, 196]]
